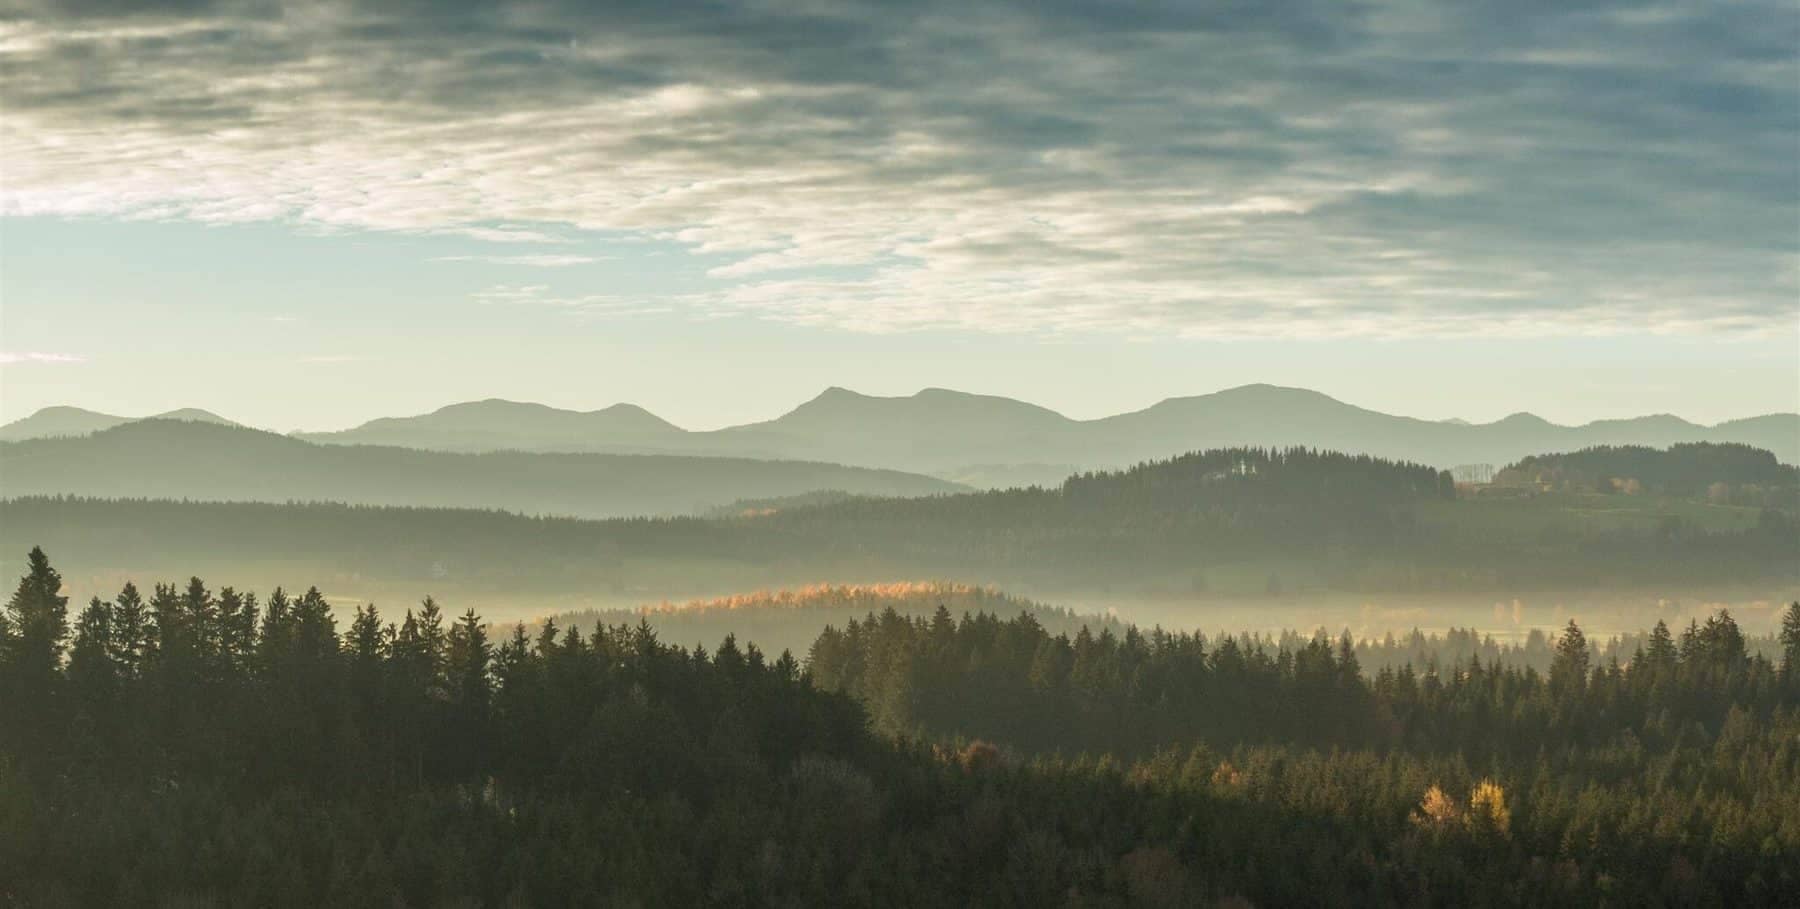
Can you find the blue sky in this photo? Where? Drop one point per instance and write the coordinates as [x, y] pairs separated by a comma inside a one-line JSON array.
[[303, 216]]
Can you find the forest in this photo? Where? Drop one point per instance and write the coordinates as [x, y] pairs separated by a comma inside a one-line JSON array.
[[186, 745], [790, 619], [1726, 474], [1226, 522]]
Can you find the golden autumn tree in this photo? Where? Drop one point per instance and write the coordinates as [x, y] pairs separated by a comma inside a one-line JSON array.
[[1488, 814], [1437, 811]]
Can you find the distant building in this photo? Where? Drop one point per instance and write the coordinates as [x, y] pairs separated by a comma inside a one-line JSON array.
[[1474, 474]]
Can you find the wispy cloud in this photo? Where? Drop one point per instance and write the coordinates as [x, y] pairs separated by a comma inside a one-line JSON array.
[[589, 305], [535, 261], [1311, 168], [11, 358]]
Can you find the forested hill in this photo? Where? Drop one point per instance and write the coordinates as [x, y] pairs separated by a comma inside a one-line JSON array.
[[179, 459], [1254, 477], [1727, 473], [1241, 522], [790, 619]]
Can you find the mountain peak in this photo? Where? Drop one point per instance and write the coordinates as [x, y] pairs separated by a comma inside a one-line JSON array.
[[1522, 419], [192, 415], [58, 420], [67, 410]]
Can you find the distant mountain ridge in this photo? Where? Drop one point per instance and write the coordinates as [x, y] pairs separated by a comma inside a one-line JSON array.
[[995, 441], [54, 422], [194, 460]]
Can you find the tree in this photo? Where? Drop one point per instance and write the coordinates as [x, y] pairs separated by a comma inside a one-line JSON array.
[[37, 622], [92, 673], [1660, 656], [1437, 811], [130, 631], [1488, 814], [468, 663], [1790, 642], [1569, 667]]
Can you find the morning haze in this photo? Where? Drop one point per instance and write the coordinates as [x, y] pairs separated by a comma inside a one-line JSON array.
[[871, 454]]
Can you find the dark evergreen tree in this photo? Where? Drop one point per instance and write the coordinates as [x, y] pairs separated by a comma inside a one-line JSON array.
[[1790, 641], [1569, 670], [35, 629]]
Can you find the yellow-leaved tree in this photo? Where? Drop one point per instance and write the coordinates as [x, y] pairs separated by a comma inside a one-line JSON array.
[[1488, 814], [1437, 811]]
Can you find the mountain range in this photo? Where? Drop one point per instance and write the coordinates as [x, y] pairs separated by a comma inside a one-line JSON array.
[[206, 461], [54, 422], [987, 440]]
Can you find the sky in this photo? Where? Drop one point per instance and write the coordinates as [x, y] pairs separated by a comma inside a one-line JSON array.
[[306, 215]]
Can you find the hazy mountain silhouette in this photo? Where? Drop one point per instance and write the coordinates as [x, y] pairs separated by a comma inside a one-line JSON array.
[[936, 430], [495, 425], [193, 460], [995, 441], [52, 422]]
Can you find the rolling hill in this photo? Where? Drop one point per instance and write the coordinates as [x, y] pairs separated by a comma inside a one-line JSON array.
[[1227, 523], [202, 461]]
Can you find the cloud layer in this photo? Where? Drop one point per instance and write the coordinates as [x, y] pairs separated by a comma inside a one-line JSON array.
[[1217, 168]]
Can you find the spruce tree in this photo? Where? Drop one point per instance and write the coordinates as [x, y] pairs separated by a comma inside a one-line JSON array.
[[1569, 667], [37, 622], [468, 657], [1790, 643], [1661, 655], [130, 631], [37, 619], [93, 674]]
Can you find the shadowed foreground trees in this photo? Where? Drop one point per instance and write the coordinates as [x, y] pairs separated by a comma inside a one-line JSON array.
[[209, 747]]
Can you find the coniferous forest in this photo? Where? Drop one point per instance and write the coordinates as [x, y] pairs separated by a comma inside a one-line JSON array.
[[183, 745], [1232, 522]]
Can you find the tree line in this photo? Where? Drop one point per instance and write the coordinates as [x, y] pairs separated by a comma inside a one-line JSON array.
[[1726, 473]]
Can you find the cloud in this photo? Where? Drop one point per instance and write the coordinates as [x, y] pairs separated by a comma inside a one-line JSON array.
[[1216, 169], [588, 305], [11, 358], [535, 261]]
